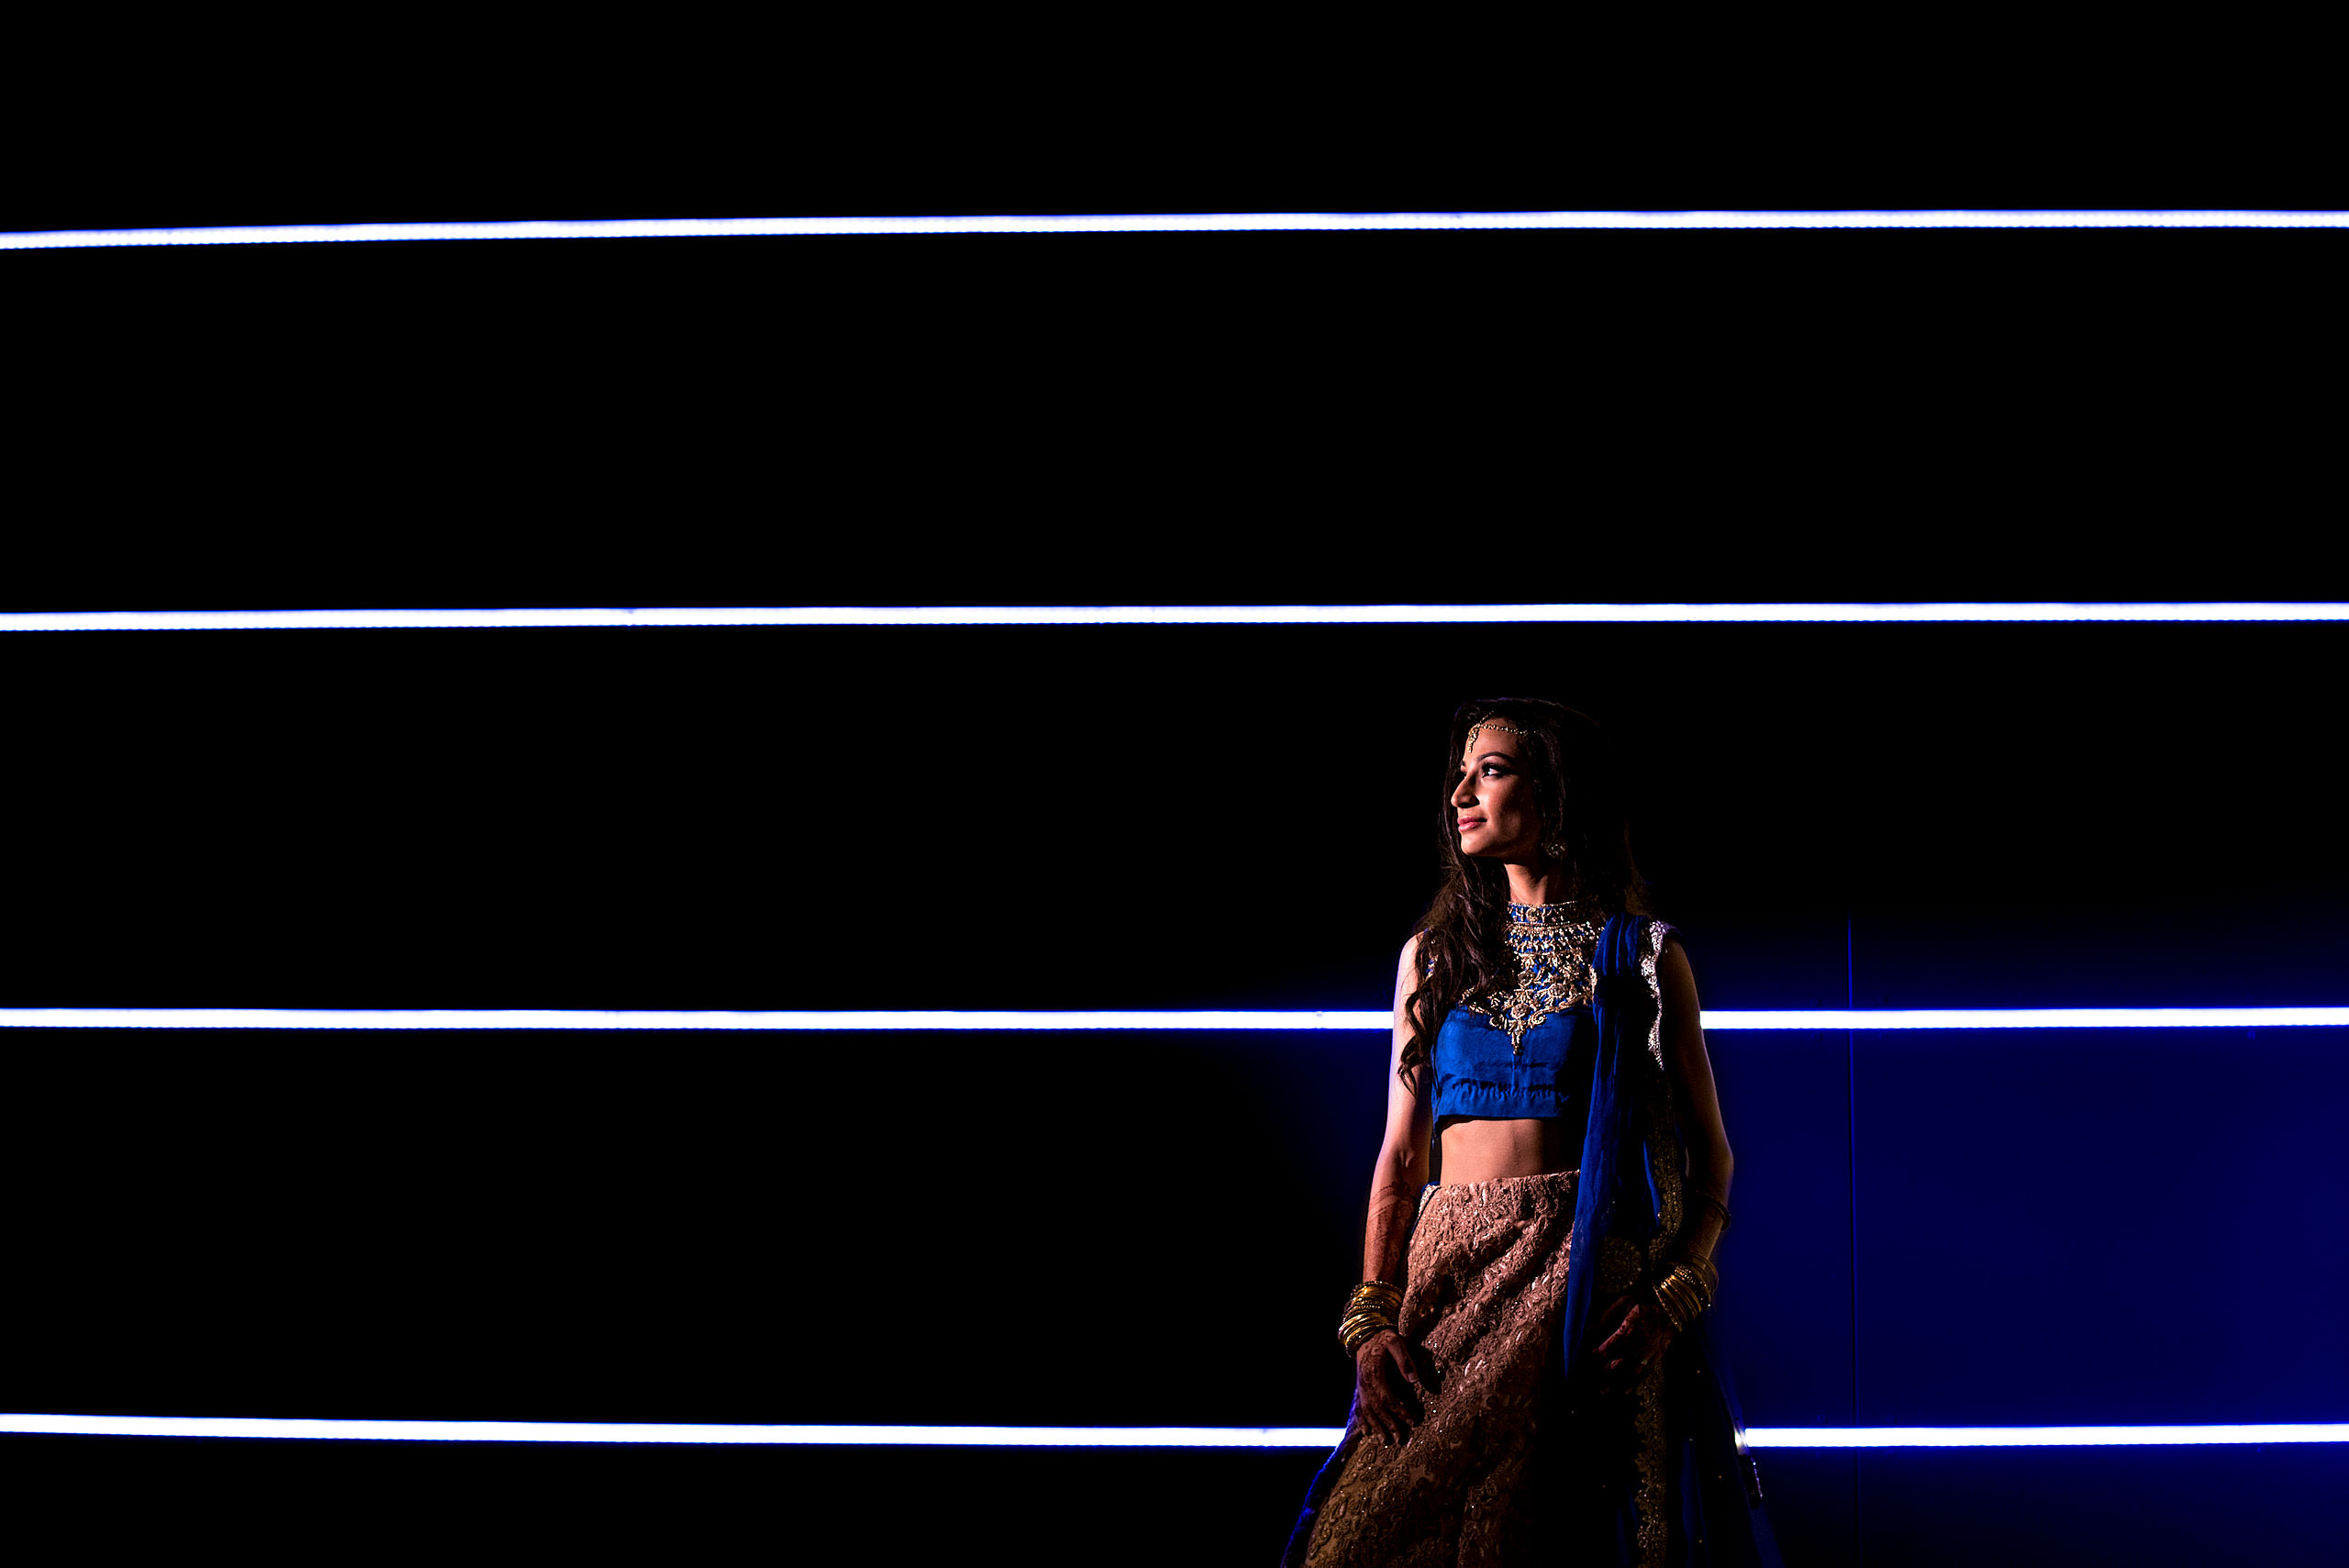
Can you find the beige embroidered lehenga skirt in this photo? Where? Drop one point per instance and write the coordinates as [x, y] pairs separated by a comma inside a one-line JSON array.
[[1478, 1481]]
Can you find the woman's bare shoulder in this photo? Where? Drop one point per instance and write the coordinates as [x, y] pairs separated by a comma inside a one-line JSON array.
[[1413, 963], [1675, 982], [1672, 959], [1410, 969]]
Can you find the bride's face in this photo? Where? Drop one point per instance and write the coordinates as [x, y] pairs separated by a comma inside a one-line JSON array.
[[1492, 804]]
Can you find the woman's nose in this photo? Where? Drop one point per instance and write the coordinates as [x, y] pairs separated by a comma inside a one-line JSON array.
[[1465, 793]]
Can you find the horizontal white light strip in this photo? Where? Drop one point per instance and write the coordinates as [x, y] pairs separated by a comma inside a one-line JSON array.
[[557, 1019], [1130, 223], [2043, 1437], [1152, 614], [1095, 1437], [2033, 1018], [674, 1433], [553, 1019]]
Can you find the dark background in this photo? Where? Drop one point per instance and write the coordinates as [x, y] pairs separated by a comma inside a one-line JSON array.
[[368, 116], [2116, 1227]]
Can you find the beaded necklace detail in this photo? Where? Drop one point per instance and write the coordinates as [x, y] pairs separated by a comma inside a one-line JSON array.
[[1555, 945]]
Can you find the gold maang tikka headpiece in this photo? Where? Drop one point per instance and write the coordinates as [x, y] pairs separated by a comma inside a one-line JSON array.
[[1497, 724]]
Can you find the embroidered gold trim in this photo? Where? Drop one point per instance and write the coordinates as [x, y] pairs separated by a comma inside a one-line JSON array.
[[1666, 1158], [1656, 1533], [1617, 1268], [1651, 949], [1553, 945]]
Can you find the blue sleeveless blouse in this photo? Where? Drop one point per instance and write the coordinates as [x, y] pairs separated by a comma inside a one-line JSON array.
[[1547, 1072], [1529, 1050]]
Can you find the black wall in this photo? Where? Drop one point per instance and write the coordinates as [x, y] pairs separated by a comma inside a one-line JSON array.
[[1132, 1227]]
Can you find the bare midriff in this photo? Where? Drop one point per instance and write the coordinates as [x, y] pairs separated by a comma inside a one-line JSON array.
[[1486, 1149]]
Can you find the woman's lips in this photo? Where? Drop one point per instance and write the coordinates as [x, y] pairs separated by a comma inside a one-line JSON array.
[[1468, 822]]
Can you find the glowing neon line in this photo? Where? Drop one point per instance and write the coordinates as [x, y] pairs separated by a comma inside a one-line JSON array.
[[673, 1432], [1093, 1437], [2033, 1018], [2043, 1437], [551, 1018], [1173, 1022], [1129, 223], [1164, 615]]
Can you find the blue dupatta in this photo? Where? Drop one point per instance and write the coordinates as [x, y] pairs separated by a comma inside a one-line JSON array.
[[1661, 1477]]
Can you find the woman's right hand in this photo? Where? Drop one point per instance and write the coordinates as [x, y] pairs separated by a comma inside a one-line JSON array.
[[1390, 1388]]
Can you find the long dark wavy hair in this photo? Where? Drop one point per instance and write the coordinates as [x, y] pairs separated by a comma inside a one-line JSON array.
[[1578, 788]]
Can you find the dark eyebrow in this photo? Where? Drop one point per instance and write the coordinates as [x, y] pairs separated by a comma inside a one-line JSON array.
[[1504, 756]]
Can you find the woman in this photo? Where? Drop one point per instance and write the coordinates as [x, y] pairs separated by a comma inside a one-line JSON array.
[[1535, 1374]]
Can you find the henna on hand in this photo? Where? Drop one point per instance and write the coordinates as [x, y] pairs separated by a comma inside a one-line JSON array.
[[1641, 1334], [1390, 1386]]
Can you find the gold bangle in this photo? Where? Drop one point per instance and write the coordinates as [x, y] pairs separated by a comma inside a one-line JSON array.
[[1676, 1289], [1683, 1301], [1664, 1306], [1701, 1277], [1370, 1311]]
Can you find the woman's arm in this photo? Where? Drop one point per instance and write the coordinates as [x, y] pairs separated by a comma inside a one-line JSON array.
[[1691, 1073], [1384, 1363], [1404, 1153], [1633, 1332]]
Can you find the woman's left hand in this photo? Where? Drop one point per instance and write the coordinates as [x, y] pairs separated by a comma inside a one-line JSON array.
[[1636, 1333]]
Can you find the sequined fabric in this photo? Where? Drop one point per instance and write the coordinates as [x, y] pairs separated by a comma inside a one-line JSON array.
[[1651, 950], [1484, 1298], [1552, 944]]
